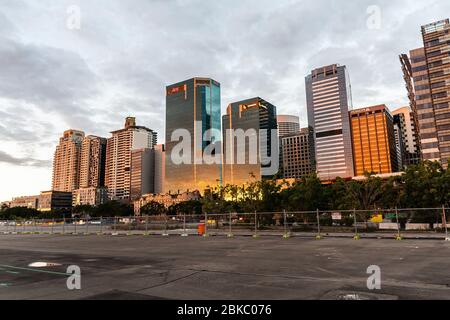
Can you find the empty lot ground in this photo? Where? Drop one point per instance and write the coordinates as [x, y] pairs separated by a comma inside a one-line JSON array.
[[241, 268]]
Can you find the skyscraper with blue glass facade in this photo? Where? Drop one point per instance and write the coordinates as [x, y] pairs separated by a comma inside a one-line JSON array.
[[193, 107]]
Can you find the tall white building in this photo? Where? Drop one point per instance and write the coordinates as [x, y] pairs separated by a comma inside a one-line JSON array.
[[118, 157], [328, 94], [407, 139]]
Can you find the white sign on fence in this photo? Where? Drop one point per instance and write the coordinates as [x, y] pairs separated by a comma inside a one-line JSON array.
[[336, 216]]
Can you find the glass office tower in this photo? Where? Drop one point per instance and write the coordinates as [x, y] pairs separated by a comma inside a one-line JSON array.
[[252, 117], [193, 109]]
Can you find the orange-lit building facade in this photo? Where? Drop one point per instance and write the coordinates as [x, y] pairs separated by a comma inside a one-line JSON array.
[[66, 162], [373, 141]]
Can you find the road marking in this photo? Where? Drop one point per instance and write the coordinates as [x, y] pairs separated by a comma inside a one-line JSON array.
[[35, 270], [12, 272]]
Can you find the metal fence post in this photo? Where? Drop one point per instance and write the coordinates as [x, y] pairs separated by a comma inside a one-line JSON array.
[[319, 235], [64, 225], [230, 233], [166, 231], [286, 233], [256, 226], [7, 226], [184, 226], [75, 226], [146, 225], [34, 224], [206, 225], [444, 217], [53, 223], [399, 236], [87, 226], [114, 226], [357, 236]]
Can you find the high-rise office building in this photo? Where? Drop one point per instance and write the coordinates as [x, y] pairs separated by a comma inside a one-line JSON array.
[[118, 157], [374, 148], [328, 94], [409, 84], [92, 164], [142, 173], [287, 124], [400, 143], [160, 169], [297, 151], [406, 137], [430, 73], [66, 162], [249, 141], [193, 120]]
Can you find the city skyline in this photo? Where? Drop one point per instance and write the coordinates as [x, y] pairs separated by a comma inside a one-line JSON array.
[[27, 148]]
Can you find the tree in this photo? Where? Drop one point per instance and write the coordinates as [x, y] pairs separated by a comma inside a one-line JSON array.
[[425, 185], [153, 209], [365, 194], [114, 209], [3, 207], [307, 194], [187, 207], [83, 210], [19, 213]]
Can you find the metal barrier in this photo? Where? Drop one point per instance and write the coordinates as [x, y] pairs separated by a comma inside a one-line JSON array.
[[356, 224]]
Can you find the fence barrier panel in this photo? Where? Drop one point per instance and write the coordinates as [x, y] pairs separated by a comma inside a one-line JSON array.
[[374, 223]]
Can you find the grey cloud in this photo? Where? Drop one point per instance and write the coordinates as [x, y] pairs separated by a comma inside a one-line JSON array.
[[126, 52], [7, 158]]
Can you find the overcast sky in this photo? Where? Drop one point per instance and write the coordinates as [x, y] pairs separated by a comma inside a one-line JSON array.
[[55, 76]]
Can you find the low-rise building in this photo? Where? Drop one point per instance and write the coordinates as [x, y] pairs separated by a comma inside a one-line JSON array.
[[89, 196], [166, 199], [30, 202], [55, 200]]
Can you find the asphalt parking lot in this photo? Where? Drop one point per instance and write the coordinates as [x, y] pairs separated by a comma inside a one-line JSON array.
[[240, 268]]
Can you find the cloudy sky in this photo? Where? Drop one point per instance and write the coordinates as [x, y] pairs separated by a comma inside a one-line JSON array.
[[55, 76]]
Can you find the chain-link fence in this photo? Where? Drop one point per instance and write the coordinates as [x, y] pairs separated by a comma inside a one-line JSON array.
[[423, 222]]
